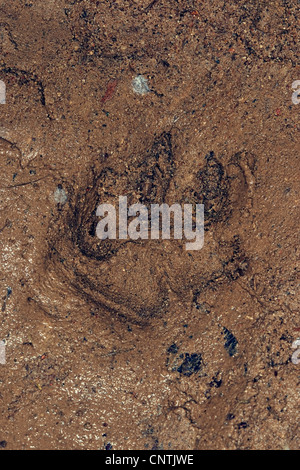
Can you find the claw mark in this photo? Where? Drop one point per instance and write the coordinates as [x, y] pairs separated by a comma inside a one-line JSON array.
[[25, 183], [151, 4], [6, 28], [7, 222], [25, 77]]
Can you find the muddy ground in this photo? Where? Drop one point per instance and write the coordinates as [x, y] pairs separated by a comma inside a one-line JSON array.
[[143, 344]]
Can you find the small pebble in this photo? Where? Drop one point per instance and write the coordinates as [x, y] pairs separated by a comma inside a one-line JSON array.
[[2, 353], [2, 92], [140, 85], [60, 195]]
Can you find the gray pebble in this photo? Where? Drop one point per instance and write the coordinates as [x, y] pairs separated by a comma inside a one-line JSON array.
[[60, 195], [140, 85]]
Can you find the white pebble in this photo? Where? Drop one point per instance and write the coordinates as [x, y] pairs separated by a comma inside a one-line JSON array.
[[60, 195], [2, 92], [140, 85], [296, 354]]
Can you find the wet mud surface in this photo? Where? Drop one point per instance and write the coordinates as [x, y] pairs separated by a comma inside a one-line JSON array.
[[141, 344]]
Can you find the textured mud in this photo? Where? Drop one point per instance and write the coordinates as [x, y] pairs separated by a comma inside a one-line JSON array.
[[141, 344]]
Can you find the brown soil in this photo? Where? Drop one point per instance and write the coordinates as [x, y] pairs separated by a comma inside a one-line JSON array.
[[142, 344]]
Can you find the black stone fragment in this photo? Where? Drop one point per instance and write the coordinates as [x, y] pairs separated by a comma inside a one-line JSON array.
[[190, 365], [230, 342], [173, 349], [242, 425], [215, 382], [230, 416]]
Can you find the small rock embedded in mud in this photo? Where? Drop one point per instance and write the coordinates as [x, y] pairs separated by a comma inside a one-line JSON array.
[[173, 349], [140, 85], [230, 416], [60, 195], [230, 342], [215, 382], [203, 307], [190, 365], [242, 425]]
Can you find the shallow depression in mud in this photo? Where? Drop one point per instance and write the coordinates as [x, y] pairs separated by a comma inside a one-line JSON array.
[[135, 279]]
